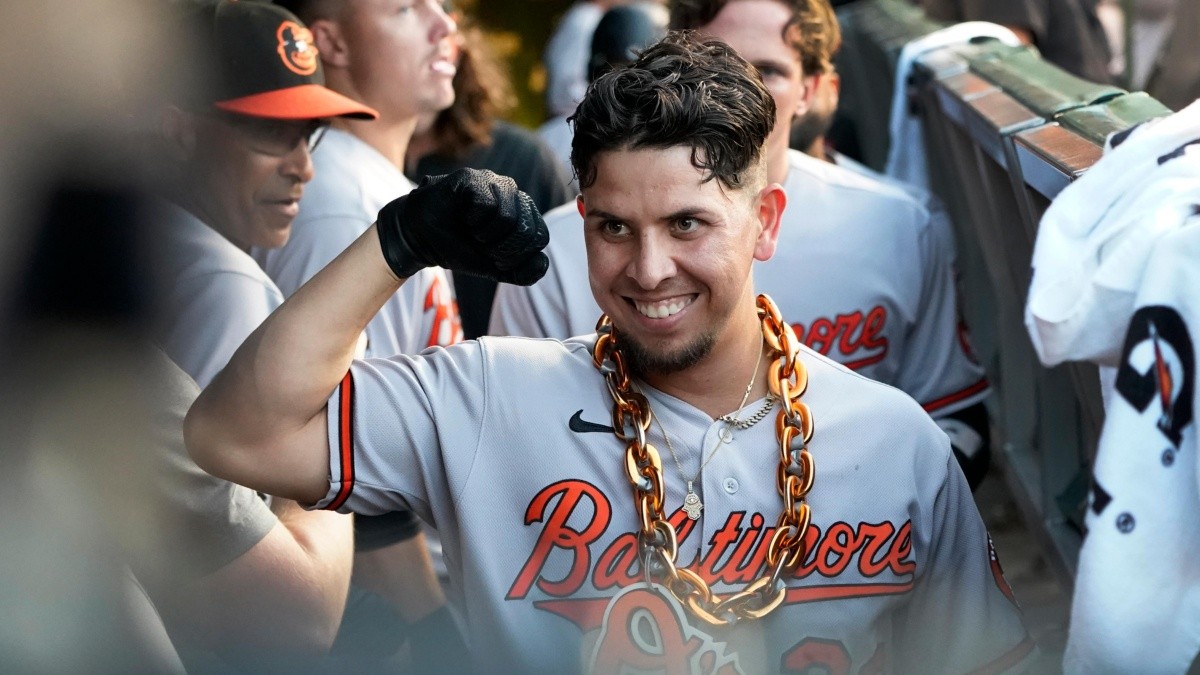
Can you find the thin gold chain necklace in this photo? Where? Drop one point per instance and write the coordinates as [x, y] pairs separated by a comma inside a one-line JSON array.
[[657, 538], [692, 505]]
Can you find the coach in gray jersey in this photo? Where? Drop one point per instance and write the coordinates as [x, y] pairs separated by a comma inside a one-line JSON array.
[[232, 158]]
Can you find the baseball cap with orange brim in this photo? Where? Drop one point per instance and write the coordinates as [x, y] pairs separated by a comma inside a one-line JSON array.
[[265, 64]]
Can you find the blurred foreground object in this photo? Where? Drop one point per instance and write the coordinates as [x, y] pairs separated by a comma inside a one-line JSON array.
[[72, 412]]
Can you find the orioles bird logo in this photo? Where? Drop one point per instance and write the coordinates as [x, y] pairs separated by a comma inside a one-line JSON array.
[[1159, 365], [1166, 383], [296, 48]]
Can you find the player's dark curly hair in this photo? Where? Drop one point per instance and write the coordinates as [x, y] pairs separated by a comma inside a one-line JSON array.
[[683, 91], [813, 31]]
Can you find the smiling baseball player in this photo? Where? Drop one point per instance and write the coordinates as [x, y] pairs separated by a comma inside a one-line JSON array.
[[656, 497], [861, 272]]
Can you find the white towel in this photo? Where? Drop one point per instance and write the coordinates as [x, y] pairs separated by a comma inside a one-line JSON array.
[[906, 156], [1094, 240]]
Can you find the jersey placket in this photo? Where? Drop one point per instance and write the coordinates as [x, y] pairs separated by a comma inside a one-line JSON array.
[[732, 489]]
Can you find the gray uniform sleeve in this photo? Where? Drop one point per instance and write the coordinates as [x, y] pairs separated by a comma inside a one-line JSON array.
[[962, 615], [204, 523], [404, 432]]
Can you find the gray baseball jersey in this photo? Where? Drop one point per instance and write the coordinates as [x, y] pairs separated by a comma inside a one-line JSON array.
[[503, 444], [861, 273], [352, 182], [939, 218], [216, 296]]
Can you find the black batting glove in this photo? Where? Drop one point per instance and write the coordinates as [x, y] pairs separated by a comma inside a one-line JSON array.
[[469, 221]]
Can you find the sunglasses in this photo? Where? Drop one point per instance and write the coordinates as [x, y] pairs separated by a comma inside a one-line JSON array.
[[272, 137]]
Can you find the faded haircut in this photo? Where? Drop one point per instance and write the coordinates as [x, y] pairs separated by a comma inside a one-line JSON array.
[[813, 30], [683, 91]]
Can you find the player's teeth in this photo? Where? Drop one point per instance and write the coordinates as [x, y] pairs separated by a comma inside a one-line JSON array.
[[661, 310]]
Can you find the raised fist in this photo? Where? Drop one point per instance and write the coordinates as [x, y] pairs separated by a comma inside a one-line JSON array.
[[470, 221]]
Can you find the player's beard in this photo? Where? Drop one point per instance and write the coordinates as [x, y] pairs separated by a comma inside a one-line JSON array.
[[643, 361], [809, 127]]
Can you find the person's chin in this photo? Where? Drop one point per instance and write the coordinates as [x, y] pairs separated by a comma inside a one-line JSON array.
[[666, 356], [275, 233], [444, 98]]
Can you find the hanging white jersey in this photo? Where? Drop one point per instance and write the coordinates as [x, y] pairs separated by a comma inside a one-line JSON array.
[[1136, 606], [1116, 273]]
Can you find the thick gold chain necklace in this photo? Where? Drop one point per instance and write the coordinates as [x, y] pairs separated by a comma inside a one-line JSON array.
[[659, 542]]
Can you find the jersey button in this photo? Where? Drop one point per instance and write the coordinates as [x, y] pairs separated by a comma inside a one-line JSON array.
[[731, 485]]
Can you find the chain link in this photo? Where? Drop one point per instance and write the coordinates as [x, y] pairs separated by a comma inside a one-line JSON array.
[[787, 380]]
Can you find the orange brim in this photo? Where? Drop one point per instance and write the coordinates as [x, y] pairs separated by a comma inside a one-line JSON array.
[[307, 101]]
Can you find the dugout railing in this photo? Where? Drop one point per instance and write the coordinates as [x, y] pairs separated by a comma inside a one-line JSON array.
[[1005, 131]]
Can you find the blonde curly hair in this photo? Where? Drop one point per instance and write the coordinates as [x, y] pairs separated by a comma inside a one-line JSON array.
[[813, 30]]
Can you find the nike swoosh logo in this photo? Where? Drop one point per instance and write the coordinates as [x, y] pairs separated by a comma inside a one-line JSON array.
[[582, 426]]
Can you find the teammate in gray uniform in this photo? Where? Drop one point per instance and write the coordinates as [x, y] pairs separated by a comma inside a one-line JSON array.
[[234, 161], [966, 423], [396, 57], [400, 63], [233, 166], [862, 273], [572, 549]]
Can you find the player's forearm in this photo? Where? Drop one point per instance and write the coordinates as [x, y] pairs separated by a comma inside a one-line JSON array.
[[287, 592], [323, 566], [403, 574], [260, 422], [305, 347], [299, 604]]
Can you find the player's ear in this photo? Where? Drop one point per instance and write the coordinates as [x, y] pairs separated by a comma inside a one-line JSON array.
[[331, 44], [579, 205], [769, 207], [178, 131]]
